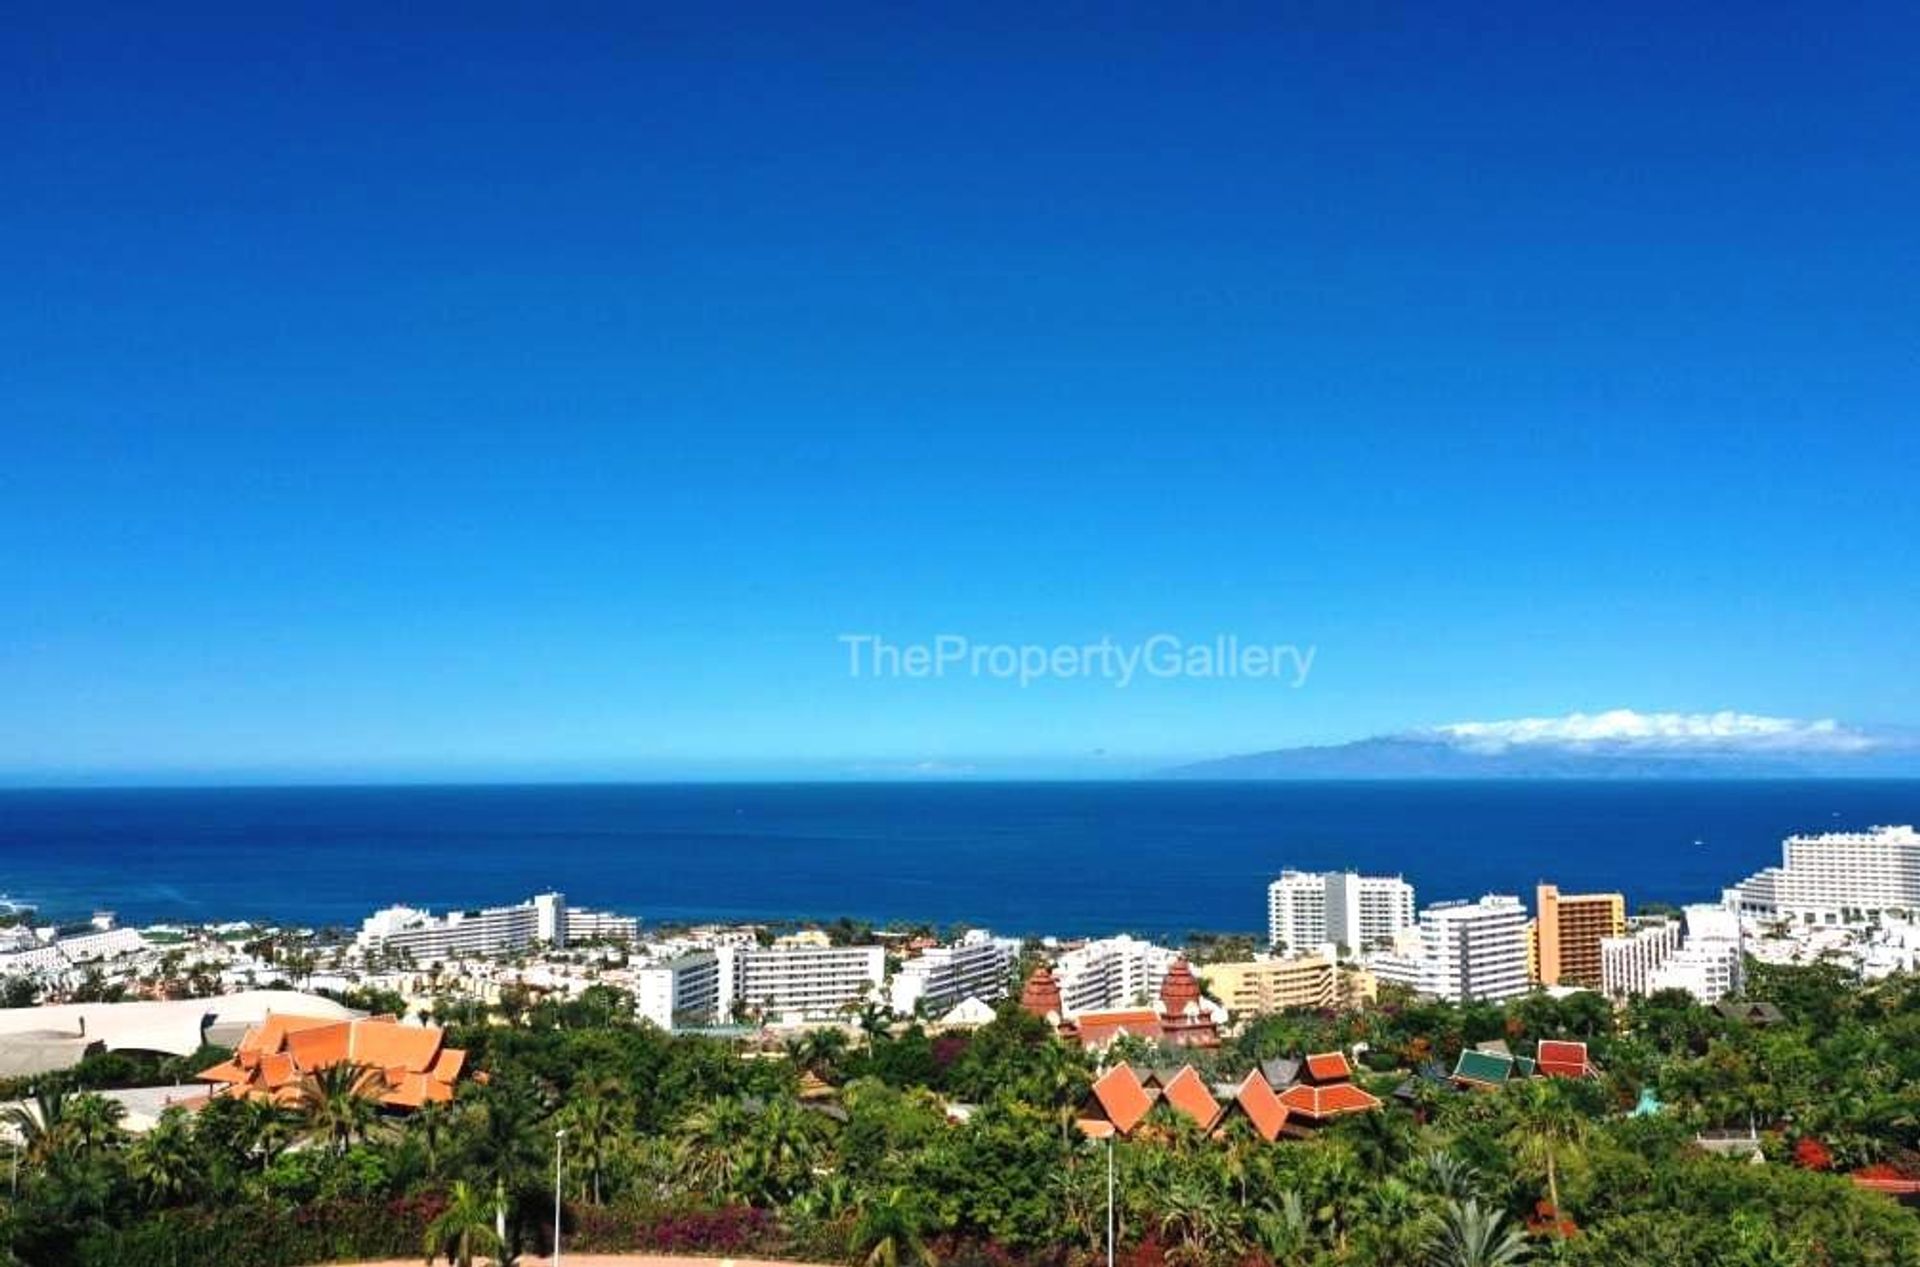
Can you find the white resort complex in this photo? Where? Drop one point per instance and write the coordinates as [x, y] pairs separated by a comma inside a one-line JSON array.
[[1843, 877], [542, 920]]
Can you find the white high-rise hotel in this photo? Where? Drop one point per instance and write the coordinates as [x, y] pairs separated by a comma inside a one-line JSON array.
[[1843, 877], [1474, 950], [1310, 909]]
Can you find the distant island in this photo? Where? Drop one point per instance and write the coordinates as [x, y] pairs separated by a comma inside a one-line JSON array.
[[1620, 744]]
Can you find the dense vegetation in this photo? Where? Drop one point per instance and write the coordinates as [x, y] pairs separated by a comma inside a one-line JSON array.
[[695, 1145]]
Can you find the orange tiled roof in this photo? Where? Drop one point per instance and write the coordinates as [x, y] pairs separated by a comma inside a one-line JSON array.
[[1122, 1101], [1098, 1028], [409, 1065], [270, 1035], [1256, 1099], [1328, 1066], [226, 1071], [1187, 1093], [1563, 1059], [1329, 1101]]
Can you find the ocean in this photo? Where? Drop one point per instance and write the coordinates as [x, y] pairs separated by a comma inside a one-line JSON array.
[[1155, 858]]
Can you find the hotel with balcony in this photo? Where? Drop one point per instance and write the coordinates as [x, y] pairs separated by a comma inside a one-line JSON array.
[[1844, 877]]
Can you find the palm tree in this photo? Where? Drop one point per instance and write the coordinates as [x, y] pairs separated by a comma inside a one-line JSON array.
[[1451, 1177], [1061, 1084], [41, 1125], [1335, 1183], [1282, 1226], [874, 1022], [163, 1162], [464, 1227], [1380, 1140], [1236, 1159], [1471, 1236], [270, 1129], [429, 1124], [1194, 1217], [1547, 1130], [891, 1231], [593, 1128], [508, 1147], [784, 1143], [339, 1103], [93, 1122], [716, 1134], [1397, 1227]]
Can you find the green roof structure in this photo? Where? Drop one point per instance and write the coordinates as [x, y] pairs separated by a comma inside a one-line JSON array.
[[1483, 1067]]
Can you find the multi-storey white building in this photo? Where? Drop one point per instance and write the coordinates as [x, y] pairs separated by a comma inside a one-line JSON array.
[[1474, 950], [59, 957], [1628, 962], [807, 983], [978, 965], [585, 925], [1708, 962], [1111, 972], [1708, 970], [680, 992], [1844, 877], [1309, 909], [427, 938]]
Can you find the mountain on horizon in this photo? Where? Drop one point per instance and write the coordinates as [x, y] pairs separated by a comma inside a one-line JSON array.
[[1616, 745]]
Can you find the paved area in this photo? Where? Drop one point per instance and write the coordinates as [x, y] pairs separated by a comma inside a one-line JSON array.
[[613, 1260]]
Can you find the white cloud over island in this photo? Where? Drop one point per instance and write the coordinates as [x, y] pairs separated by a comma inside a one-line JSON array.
[[1624, 728]]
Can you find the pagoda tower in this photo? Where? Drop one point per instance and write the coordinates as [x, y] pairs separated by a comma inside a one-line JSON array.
[[1185, 1020], [1041, 995]]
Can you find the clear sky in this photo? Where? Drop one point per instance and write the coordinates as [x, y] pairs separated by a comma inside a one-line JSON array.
[[482, 391]]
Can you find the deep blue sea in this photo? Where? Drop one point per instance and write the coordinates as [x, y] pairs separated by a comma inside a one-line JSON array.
[[1150, 857]]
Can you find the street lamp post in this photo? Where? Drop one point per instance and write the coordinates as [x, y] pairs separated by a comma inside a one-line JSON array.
[[1109, 1201], [559, 1137]]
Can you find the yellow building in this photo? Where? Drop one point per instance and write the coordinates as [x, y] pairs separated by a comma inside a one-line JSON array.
[[1255, 987], [1567, 929]]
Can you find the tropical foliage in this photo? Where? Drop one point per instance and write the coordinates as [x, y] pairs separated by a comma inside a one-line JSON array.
[[962, 1148]]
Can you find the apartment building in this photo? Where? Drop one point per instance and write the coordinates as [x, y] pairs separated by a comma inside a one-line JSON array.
[[1707, 961], [978, 965], [1627, 961], [585, 926], [1112, 972], [1568, 930], [681, 992], [1259, 986], [800, 983], [1474, 950], [427, 938], [1309, 909], [28, 956], [1845, 877]]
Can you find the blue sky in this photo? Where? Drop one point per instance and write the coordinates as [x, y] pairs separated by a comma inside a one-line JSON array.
[[470, 392]]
